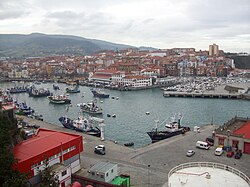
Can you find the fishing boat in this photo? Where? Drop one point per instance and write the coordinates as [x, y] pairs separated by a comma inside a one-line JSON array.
[[41, 92], [59, 99], [23, 109], [73, 89], [173, 128], [56, 87], [17, 89], [99, 93], [36, 116], [81, 124], [90, 108]]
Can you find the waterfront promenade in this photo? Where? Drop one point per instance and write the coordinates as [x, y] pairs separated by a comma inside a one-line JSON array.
[[149, 165], [218, 92]]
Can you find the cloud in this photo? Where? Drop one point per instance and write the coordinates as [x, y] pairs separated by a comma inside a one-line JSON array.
[[156, 23], [12, 10]]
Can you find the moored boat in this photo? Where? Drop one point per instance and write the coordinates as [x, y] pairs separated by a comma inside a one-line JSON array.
[[173, 128], [90, 108], [73, 89], [13, 90], [41, 92], [99, 93], [129, 144], [81, 124], [56, 87], [23, 109], [59, 99]]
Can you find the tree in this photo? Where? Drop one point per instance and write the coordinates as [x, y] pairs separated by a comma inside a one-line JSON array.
[[48, 176], [9, 176]]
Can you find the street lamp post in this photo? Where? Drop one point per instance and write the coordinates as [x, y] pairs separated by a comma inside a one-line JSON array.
[[148, 176]]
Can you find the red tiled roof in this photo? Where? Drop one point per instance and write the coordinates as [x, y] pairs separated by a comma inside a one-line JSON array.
[[8, 107], [136, 77], [244, 130], [101, 76], [42, 142]]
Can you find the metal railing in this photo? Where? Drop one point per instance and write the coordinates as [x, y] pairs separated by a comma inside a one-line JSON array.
[[210, 165]]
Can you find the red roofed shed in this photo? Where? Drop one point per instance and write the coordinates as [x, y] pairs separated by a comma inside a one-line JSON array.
[[244, 130], [55, 146]]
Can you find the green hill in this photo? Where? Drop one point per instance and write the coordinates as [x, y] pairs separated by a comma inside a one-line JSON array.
[[36, 44]]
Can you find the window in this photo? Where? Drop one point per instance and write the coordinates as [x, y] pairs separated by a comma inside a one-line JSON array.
[[235, 143], [64, 173], [102, 176], [112, 170], [93, 173], [221, 141], [107, 174]]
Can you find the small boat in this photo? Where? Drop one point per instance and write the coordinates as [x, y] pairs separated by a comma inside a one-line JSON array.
[[112, 97], [99, 93], [81, 124], [113, 115], [15, 90], [129, 144], [147, 113], [90, 108], [23, 109], [173, 128], [108, 115], [117, 98], [41, 92], [56, 87], [73, 89], [36, 116], [101, 101], [59, 99]]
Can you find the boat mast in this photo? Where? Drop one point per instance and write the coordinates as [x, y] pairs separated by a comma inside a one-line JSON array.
[[156, 124]]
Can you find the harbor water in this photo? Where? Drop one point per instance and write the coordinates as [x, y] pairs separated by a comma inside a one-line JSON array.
[[131, 122]]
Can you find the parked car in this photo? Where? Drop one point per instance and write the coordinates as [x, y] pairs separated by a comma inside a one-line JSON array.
[[190, 153], [218, 151], [202, 145], [210, 141], [230, 153], [238, 155], [100, 149]]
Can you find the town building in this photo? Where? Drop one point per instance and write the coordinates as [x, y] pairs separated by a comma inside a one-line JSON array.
[[235, 134], [103, 171], [135, 81], [213, 50], [48, 147], [62, 174]]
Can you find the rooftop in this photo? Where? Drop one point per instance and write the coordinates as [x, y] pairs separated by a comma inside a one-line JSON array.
[[43, 141], [233, 125], [102, 167], [206, 174], [244, 130]]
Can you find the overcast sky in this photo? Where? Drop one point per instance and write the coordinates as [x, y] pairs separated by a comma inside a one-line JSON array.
[[154, 23]]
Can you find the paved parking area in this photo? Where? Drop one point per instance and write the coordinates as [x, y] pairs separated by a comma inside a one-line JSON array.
[[149, 166]]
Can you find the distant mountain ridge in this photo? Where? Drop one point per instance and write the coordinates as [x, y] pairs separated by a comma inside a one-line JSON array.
[[37, 44]]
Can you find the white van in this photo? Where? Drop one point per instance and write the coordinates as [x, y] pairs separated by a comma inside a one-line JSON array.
[[202, 145], [218, 151]]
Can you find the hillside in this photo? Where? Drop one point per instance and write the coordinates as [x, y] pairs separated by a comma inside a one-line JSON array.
[[36, 44]]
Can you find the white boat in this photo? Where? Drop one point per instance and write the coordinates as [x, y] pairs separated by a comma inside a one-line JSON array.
[[90, 108], [59, 99], [82, 124]]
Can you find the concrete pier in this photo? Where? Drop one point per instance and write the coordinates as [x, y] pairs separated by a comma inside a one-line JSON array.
[[202, 95]]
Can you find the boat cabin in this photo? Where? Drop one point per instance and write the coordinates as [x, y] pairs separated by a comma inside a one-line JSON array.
[[172, 127]]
